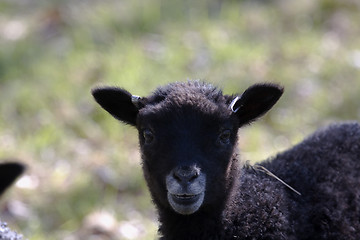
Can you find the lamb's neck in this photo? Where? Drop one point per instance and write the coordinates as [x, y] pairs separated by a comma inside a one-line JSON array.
[[174, 226]]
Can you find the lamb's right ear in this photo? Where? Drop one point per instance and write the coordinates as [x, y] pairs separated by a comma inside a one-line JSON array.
[[255, 101], [118, 102], [8, 173]]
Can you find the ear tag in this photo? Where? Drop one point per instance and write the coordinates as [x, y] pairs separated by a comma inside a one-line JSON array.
[[135, 100], [232, 104]]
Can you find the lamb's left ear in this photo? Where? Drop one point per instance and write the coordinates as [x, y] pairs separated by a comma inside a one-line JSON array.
[[255, 101], [119, 103]]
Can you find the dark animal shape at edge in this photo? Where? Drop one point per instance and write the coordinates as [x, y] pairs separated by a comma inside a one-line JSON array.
[[9, 171]]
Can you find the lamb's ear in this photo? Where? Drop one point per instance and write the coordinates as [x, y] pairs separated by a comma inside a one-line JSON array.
[[8, 173], [118, 102], [255, 101]]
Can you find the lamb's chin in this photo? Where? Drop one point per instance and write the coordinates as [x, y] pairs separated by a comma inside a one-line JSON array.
[[186, 204]]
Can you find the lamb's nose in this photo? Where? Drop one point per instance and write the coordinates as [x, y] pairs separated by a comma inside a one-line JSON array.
[[186, 174]]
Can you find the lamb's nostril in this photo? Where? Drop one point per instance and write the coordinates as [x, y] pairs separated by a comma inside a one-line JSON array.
[[177, 177], [192, 178], [186, 174]]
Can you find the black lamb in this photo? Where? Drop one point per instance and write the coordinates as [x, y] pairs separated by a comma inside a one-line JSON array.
[[201, 189]]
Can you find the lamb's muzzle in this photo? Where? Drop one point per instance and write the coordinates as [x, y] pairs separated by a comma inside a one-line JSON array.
[[186, 189]]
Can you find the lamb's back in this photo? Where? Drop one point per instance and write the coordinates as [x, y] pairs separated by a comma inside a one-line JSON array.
[[325, 169]]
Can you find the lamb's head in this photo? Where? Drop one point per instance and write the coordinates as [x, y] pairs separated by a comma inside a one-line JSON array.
[[188, 133]]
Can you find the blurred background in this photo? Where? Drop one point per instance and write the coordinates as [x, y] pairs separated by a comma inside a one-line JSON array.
[[84, 178]]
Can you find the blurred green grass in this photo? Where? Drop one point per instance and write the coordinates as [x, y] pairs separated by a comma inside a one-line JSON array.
[[84, 169]]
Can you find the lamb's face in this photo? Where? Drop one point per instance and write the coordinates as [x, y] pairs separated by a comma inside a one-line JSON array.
[[186, 153], [187, 136]]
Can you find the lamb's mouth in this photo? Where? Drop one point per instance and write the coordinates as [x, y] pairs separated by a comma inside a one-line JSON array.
[[185, 199], [186, 203]]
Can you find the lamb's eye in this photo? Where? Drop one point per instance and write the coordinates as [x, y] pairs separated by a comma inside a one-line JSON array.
[[224, 136], [148, 136]]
